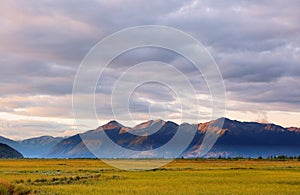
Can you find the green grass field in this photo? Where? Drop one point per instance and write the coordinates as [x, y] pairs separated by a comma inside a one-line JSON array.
[[88, 176]]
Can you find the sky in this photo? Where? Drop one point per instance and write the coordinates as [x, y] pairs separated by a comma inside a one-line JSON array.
[[256, 45]]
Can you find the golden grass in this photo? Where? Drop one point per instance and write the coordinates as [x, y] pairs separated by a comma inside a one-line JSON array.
[[91, 176]]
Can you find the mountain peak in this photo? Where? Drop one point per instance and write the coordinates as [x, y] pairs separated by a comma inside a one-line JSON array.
[[158, 121], [113, 124], [149, 123]]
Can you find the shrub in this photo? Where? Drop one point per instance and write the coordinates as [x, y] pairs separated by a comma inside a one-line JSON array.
[[21, 190], [41, 180]]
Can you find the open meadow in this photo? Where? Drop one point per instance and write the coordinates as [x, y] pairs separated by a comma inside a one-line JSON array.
[[91, 176]]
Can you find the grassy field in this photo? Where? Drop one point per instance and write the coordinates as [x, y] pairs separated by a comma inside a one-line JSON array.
[[81, 176]]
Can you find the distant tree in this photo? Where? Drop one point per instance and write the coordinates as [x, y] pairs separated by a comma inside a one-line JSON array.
[[281, 157]]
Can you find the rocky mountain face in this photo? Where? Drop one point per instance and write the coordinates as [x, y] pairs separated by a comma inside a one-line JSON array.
[[253, 133], [71, 147], [294, 129]]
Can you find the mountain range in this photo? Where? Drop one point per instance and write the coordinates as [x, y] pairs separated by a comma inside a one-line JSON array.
[[37, 147], [247, 139]]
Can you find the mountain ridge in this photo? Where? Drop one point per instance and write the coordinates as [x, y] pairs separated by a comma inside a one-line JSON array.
[[152, 134], [233, 132]]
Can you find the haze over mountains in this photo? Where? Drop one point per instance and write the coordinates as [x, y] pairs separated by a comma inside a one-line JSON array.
[[37, 147], [247, 139]]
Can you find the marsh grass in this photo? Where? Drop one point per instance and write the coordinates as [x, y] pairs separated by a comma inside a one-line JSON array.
[[10, 189], [90, 176]]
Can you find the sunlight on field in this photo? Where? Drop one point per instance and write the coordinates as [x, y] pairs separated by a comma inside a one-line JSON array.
[[137, 164], [91, 176]]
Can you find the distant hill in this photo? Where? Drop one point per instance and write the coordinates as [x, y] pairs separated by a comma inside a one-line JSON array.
[[9, 142], [8, 152], [38, 146], [33, 147]]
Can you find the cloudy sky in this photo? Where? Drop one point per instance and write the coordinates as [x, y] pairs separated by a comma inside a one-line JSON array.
[[256, 45]]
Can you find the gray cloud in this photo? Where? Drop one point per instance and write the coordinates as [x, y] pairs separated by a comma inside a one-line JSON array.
[[255, 43], [22, 129]]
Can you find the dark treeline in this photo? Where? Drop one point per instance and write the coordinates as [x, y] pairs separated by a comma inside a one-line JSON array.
[[276, 157]]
